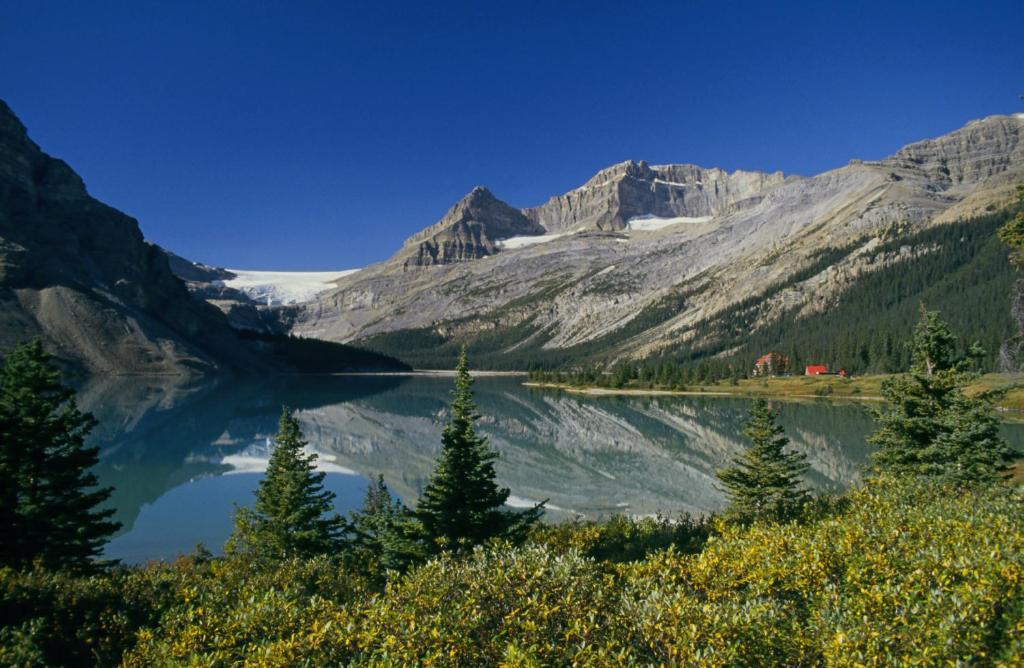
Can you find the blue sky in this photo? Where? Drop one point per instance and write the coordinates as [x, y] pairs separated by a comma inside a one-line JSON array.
[[318, 135]]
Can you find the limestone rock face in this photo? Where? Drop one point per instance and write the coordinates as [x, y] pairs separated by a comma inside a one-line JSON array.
[[79, 273], [469, 231], [632, 189], [196, 272], [980, 150]]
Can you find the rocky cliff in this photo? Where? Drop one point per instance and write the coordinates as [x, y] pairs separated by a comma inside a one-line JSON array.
[[79, 273], [629, 190], [469, 231]]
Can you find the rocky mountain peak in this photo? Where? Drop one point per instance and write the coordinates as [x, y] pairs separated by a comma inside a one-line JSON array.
[[468, 231], [630, 189], [9, 122], [478, 203], [980, 150], [80, 274], [625, 169], [27, 168], [479, 193]]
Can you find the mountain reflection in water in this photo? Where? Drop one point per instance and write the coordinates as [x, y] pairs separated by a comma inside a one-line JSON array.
[[181, 453]]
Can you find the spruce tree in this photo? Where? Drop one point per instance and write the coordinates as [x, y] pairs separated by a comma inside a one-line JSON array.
[[929, 426], [763, 483], [384, 533], [1012, 233], [462, 504], [292, 516], [49, 499]]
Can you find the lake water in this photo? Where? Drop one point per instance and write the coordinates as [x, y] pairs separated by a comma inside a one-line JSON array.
[[180, 454]]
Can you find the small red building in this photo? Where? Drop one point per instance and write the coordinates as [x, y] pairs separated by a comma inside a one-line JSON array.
[[815, 369]]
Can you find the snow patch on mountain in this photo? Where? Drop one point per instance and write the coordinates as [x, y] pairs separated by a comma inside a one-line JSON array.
[[276, 288], [650, 223], [521, 242]]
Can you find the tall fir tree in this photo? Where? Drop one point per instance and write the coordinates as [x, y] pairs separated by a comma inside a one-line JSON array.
[[384, 534], [929, 425], [462, 504], [1012, 233], [49, 499], [764, 483], [293, 514]]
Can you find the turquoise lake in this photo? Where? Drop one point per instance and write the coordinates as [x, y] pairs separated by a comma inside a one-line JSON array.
[[181, 454]]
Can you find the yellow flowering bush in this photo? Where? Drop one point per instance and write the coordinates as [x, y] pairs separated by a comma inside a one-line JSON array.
[[903, 574], [621, 539], [911, 574], [231, 612], [528, 603]]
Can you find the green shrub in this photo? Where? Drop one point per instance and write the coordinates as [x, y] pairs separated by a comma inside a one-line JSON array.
[[234, 610], [56, 618], [529, 604], [621, 539], [912, 572]]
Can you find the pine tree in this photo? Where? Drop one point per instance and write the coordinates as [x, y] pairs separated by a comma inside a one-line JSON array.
[[48, 497], [385, 535], [929, 426], [462, 504], [291, 517], [764, 482], [1012, 233]]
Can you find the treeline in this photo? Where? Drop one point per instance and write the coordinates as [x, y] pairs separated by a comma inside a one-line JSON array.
[[960, 269], [927, 560], [318, 356]]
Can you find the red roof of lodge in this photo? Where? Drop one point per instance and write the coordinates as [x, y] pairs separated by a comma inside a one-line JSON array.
[[815, 369], [764, 358]]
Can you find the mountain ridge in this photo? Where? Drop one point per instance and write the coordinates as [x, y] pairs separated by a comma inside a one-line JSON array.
[[80, 275], [591, 274], [468, 231]]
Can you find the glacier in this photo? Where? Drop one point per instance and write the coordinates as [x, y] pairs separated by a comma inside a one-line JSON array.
[[278, 288]]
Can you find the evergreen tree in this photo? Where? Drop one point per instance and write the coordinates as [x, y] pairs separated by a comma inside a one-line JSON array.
[[48, 497], [384, 533], [764, 482], [929, 426], [291, 515], [1012, 233], [462, 504]]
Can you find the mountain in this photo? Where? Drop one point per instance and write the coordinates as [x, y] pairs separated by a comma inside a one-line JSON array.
[[469, 231], [657, 260], [630, 190], [79, 274]]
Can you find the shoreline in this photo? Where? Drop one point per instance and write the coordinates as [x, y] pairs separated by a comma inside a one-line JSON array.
[[434, 373], [1009, 406], [593, 391]]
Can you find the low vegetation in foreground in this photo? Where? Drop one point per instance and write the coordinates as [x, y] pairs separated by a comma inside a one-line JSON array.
[[912, 573], [922, 565]]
